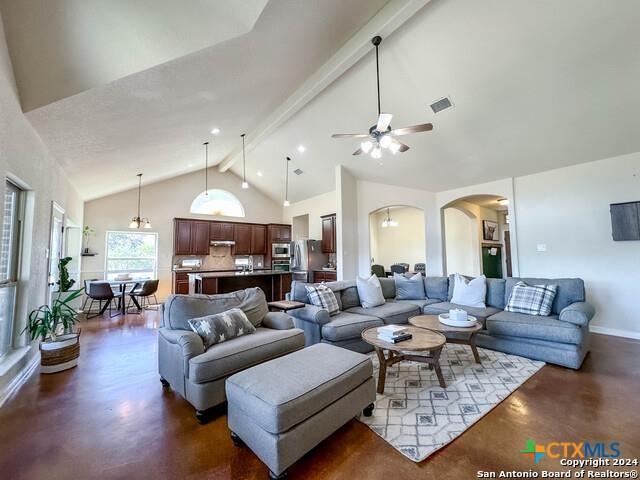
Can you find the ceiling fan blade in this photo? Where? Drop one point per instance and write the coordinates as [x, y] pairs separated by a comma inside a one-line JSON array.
[[357, 152], [384, 120], [350, 135], [424, 127], [403, 147]]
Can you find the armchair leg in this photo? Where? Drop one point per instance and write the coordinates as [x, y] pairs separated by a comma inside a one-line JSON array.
[[368, 410], [275, 476], [164, 383], [237, 441]]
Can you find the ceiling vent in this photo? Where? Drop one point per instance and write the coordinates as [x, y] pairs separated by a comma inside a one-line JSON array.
[[297, 171], [440, 105]]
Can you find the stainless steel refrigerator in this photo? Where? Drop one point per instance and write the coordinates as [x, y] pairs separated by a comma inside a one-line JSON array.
[[306, 257]]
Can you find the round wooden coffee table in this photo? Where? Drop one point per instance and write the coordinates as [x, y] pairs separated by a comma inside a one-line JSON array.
[[428, 342], [431, 322]]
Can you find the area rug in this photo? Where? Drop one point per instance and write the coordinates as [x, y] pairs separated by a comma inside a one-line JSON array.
[[418, 417]]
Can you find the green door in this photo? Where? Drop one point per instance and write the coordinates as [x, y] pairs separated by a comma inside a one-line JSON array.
[[492, 261]]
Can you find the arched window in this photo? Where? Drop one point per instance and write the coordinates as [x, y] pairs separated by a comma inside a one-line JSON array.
[[217, 202]]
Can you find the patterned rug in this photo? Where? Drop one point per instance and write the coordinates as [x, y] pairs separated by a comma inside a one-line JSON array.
[[418, 417]]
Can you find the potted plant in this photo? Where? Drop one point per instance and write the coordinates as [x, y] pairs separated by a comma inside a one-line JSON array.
[[59, 344], [87, 231]]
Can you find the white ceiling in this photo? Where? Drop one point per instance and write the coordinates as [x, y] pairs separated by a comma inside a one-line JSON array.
[[536, 86], [155, 121], [63, 47]]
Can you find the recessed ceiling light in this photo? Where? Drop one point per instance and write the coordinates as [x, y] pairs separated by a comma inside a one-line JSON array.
[[215, 131], [190, 165], [259, 173], [301, 148]]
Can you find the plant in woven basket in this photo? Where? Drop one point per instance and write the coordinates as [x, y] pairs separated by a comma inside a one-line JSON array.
[[47, 322], [64, 282]]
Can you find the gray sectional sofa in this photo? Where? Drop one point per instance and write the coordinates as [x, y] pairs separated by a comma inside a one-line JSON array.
[[561, 338]]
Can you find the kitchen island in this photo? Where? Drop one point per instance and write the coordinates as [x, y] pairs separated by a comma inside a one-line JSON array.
[[274, 283]]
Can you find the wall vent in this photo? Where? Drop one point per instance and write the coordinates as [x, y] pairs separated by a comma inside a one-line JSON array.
[[442, 104], [297, 171]]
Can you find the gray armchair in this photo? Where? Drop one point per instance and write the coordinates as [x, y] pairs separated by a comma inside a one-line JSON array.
[[199, 375]]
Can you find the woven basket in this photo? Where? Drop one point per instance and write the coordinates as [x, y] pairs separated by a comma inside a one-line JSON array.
[[53, 359]]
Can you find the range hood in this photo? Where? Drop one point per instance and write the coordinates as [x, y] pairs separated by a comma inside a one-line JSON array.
[[222, 243]]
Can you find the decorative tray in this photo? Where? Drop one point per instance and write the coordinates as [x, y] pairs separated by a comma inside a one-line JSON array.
[[470, 322]]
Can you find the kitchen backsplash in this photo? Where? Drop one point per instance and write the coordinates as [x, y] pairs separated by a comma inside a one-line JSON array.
[[219, 258]]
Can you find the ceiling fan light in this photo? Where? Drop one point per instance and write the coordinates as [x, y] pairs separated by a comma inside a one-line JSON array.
[[376, 152], [366, 146], [134, 223], [386, 141], [147, 224], [394, 147]]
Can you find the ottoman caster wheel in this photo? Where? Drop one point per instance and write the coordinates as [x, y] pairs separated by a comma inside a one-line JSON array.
[[273, 476], [368, 411], [164, 383], [203, 416], [237, 441]]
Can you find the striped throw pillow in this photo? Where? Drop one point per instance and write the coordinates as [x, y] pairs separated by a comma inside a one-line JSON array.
[[531, 299], [323, 297]]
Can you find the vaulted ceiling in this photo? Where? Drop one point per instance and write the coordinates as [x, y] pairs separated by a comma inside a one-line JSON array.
[[535, 86]]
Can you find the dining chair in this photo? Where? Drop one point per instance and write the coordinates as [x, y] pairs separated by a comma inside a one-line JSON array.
[[420, 268], [140, 294], [87, 285], [102, 292], [399, 268], [378, 271]]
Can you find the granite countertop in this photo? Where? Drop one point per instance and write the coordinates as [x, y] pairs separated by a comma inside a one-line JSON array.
[[228, 274], [324, 270]]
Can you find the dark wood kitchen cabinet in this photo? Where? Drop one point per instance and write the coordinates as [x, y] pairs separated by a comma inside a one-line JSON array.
[[329, 233], [320, 276], [221, 231], [258, 240], [242, 237], [181, 283], [191, 237]]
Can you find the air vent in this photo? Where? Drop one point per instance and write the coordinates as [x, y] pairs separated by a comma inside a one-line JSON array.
[[442, 104], [297, 171]]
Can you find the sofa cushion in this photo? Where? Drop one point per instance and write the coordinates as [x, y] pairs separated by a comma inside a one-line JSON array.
[[350, 297], [388, 286], [322, 296], [222, 326], [346, 325], [495, 292], [179, 309], [444, 307], [437, 288], [570, 290], [471, 293], [227, 358], [389, 312], [370, 291], [254, 305], [531, 299], [530, 326], [418, 303], [409, 288], [284, 392]]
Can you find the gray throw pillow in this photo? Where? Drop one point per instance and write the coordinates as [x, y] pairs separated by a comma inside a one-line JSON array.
[[254, 305], [409, 288], [222, 326]]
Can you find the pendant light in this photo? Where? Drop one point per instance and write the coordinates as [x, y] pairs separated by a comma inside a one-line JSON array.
[[245, 185], [206, 169], [137, 222], [388, 222], [286, 185]]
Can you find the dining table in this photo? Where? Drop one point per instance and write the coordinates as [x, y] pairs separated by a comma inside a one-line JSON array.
[[122, 292]]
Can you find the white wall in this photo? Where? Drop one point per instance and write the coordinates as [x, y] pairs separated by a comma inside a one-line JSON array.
[[346, 224], [461, 245], [25, 158], [568, 210], [315, 207], [161, 202], [404, 243], [373, 196]]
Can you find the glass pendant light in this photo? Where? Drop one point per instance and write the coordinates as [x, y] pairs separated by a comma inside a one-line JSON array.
[[286, 185], [206, 169], [388, 222], [245, 184], [137, 221]]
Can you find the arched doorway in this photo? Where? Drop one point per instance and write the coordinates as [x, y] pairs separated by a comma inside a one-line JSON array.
[[397, 235], [476, 236]]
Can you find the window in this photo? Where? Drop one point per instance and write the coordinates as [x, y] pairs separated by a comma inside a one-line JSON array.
[[131, 253], [9, 257], [217, 202]]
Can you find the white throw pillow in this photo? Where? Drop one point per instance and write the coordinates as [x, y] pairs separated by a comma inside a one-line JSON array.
[[469, 294], [369, 291]]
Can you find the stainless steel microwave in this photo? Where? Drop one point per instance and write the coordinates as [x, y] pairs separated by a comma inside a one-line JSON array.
[[280, 250]]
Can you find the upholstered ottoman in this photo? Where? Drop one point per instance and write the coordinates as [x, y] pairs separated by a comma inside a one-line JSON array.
[[283, 408]]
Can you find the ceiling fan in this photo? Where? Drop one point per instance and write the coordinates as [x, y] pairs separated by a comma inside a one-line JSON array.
[[381, 135]]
